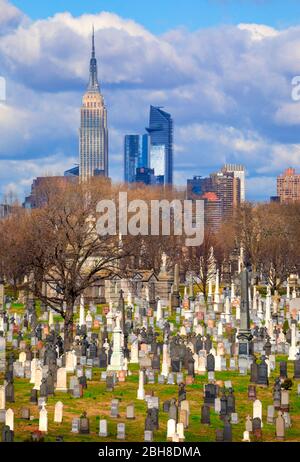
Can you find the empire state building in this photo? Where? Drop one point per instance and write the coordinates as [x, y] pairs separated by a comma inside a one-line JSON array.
[[93, 134]]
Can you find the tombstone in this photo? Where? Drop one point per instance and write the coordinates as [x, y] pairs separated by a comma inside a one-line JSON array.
[[218, 405], [284, 405], [205, 415], [166, 405], [110, 383], [210, 363], [34, 396], [148, 436], [58, 412], [283, 369], [252, 392], [297, 369], [43, 420], [280, 426], [9, 419], [210, 393], [256, 428], [173, 410], [246, 437], [121, 431], [219, 436], [114, 410], [84, 424], [130, 412], [75, 425], [262, 375], [25, 413], [234, 418], [227, 431], [7, 435], [103, 428], [270, 414], [61, 381], [257, 410], [171, 428]]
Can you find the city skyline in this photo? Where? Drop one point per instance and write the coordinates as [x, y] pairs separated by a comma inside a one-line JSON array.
[[230, 106]]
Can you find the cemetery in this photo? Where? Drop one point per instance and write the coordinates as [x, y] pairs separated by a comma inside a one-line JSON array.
[[153, 362]]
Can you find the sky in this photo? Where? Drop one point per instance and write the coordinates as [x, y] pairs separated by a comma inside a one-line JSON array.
[[222, 68]]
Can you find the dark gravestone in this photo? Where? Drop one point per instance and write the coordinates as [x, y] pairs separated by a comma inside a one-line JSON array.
[[156, 362], [166, 406], [191, 368], [102, 359], [10, 392], [210, 394], [7, 435], [109, 383], [254, 371], [205, 415], [34, 396], [173, 410], [262, 378], [230, 402], [210, 361], [227, 431], [224, 409], [43, 389], [256, 428], [219, 436], [252, 392], [84, 425], [283, 369], [50, 383], [297, 369]]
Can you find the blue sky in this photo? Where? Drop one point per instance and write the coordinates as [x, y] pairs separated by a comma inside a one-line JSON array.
[[161, 15], [223, 69]]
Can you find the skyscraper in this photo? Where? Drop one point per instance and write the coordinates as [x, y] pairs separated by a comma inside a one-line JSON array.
[[239, 172], [135, 155], [93, 133], [161, 143], [288, 186]]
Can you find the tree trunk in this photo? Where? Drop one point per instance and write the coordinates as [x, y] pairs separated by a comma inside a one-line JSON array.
[[68, 327]]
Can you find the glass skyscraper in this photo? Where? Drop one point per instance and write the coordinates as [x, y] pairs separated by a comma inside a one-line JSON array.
[[161, 134], [93, 133], [136, 149]]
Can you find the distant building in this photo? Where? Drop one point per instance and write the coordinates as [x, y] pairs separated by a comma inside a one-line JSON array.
[[40, 187], [74, 171], [161, 143], [6, 210], [274, 199], [93, 133], [239, 172], [227, 187], [197, 186], [288, 186], [136, 151], [212, 210], [145, 175]]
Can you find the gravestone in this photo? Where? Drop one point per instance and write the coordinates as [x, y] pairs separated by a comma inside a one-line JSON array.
[[121, 431], [103, 428], [205, 415], [84, 424]]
